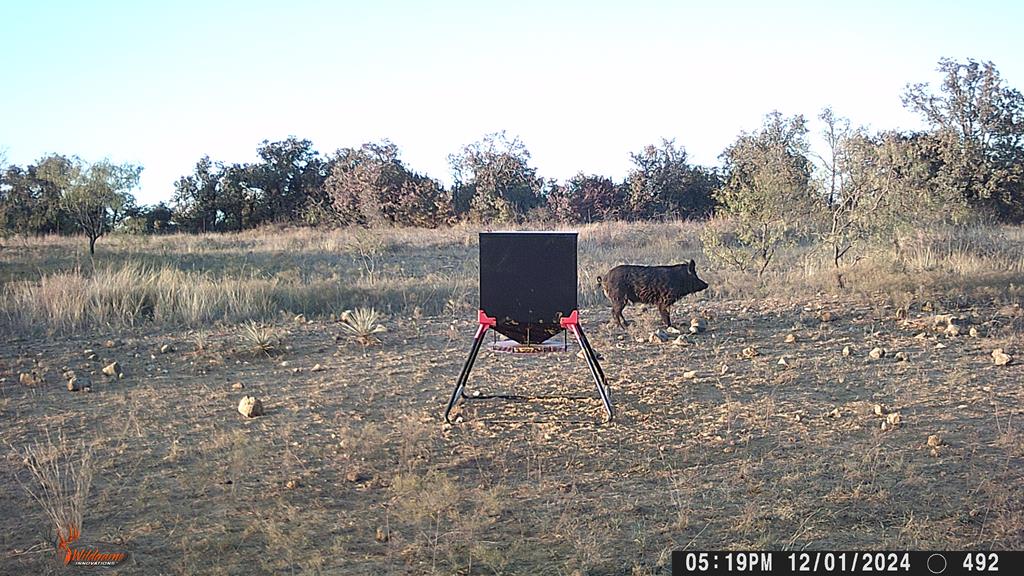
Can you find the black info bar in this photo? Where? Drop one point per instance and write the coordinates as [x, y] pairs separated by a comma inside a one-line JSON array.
[[956, 563]]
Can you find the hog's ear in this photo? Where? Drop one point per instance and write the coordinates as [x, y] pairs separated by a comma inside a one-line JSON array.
[[693, 266]]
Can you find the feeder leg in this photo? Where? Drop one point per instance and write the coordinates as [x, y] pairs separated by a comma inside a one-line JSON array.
[[595, 369], [464, 376]]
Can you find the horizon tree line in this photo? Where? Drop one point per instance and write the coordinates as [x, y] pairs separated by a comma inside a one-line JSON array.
[[970, 160]]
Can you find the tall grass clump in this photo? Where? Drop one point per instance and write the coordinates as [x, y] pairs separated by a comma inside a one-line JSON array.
[[132, 294], [61, 478]]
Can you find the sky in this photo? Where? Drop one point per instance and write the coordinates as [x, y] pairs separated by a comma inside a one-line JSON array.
[[582, 83]]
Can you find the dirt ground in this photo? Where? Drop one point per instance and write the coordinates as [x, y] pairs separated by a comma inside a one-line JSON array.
[[715, 444]]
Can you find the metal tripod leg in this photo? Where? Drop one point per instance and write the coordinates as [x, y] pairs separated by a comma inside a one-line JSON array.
[[464, 376], [595, 369]]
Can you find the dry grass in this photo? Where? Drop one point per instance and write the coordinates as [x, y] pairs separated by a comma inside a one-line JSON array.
[[258, 275], [61, 478], [352, 471]]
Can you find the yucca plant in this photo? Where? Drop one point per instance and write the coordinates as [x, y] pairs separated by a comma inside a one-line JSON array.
[[261, 339], [363, 324]]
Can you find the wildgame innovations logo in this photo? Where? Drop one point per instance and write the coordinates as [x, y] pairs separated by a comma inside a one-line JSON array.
[[92, 555]]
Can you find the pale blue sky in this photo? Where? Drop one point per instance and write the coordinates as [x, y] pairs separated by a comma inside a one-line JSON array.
[[582, 83]]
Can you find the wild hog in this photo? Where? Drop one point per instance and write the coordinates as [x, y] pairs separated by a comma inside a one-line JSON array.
[[658, 285]]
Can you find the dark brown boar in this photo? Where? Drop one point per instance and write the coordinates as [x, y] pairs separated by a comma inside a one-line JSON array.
[[658, 285]]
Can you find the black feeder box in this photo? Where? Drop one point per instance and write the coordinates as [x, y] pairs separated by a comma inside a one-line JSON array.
[[528, 294]]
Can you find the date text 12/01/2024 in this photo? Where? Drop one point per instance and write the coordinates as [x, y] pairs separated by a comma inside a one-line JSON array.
[[949, 563]]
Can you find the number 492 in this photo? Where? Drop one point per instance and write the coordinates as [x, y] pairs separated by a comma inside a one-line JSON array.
[[981, 562]]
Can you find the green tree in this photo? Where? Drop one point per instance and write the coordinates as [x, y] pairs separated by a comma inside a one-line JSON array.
[[895, 178], [494, 181], [196, 197], [766, 193], [31, 204], [240, 202], [370, 186], [290, 178], [96, 197], [977, 120], [155, 219], [663, 183], [587, 199]]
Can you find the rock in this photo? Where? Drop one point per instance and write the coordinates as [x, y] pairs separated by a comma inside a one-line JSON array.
[[934, 440], [783, 362], [879, 411], [698, 325], [658, 336], [690, 374], [749, 352], [835, 413], [790, 338], [166, 349], [237, 386], [673, 330], [79, 384], [316, 368], [974, 332], [846, 351], [356, 475], [112, 369], [939, 345], [893, 419], [1001, 358], [250, 407], [877, 353], [902, 357]]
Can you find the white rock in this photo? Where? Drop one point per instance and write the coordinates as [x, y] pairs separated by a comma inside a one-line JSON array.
[[112, 369], [1001, 358], [250, 407]]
